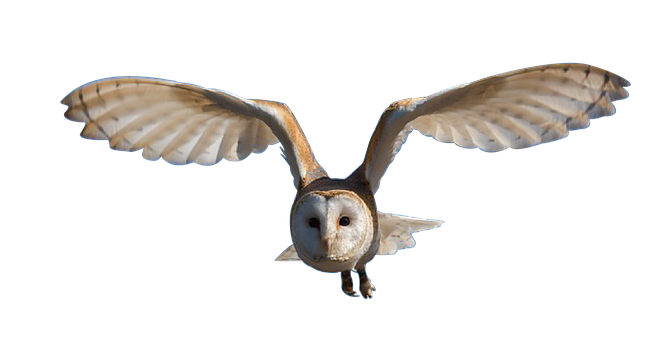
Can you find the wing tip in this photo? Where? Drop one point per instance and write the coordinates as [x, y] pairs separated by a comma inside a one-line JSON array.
[[289, 254], [397, 231]]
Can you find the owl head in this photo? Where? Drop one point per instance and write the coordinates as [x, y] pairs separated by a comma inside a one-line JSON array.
[[331, 229]]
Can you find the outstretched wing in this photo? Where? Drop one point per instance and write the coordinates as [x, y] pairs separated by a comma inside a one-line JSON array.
[[185, 123], [516, 110]]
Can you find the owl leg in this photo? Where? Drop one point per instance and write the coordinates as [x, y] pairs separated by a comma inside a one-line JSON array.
[[366, 288], [347, 283]]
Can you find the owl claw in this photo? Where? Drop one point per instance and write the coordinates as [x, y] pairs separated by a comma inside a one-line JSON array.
[[367, 289], [347, 284], [350, 291]]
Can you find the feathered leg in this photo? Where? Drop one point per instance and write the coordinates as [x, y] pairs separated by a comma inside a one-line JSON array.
[[366, 288], [347, 283]]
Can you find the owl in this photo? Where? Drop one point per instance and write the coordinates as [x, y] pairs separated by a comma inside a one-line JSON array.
[[334, 223]]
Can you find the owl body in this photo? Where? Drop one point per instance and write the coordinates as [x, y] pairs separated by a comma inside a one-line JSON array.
[[334, 223]]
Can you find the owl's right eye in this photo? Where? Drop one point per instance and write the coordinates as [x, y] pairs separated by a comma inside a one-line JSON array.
[[314, 222]]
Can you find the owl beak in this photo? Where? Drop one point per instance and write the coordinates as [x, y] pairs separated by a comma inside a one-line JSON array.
[[327, 242]]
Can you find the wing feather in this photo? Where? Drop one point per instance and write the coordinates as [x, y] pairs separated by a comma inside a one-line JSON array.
[[517, 109], [183, 123], [396, 231]]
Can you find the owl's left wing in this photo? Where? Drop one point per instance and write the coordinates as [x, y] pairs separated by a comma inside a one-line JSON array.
[[396, 231], [516, 110]]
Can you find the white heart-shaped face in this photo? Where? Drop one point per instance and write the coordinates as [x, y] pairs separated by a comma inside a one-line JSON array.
[[330, 226]]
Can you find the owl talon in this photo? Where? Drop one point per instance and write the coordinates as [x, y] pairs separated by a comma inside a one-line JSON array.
[[367, 289], [347, 284], [349, 291]]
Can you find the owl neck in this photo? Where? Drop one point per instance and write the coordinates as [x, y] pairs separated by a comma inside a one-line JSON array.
[[355, 182]]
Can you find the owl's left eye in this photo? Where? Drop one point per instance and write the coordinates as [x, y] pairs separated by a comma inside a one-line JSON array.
[[344, 221]]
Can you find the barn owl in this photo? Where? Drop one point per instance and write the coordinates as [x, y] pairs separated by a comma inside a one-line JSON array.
[[334, 223]]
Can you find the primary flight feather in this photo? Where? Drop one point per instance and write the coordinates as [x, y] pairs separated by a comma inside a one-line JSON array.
[[516, 110], [335, 225]]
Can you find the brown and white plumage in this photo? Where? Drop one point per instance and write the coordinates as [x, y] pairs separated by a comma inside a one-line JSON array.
[[185, 123], [516, 110], [335, 225]]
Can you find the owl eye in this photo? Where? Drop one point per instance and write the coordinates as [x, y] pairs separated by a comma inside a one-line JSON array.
[[314, 222], [344, 221]]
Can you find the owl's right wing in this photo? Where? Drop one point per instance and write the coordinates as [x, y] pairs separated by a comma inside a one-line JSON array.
[[290, 254], [517, 109], [185, 123]]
